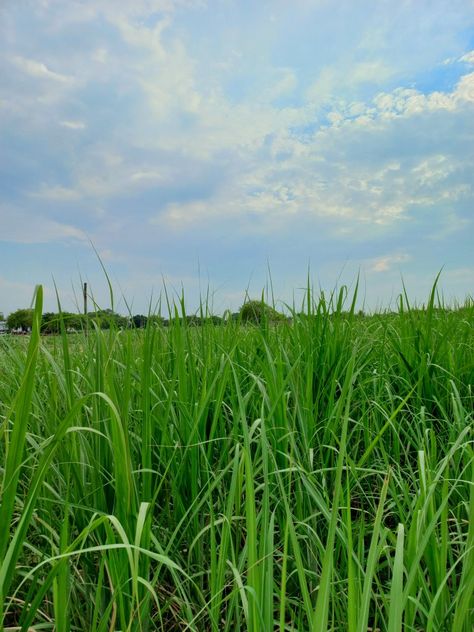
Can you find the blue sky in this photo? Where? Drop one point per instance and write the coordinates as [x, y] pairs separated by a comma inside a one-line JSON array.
[[203, 142]]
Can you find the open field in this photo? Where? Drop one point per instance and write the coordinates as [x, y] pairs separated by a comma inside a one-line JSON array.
[[307, 475]]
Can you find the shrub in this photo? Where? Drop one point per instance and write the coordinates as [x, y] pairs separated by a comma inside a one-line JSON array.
[[258, 311]]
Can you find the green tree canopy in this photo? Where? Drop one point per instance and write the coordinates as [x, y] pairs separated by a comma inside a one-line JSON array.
[[139, 321], [51, 322], [107, 318], [21, 319]]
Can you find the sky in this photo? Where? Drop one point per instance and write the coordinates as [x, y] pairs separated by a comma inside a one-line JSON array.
[[219, 146]]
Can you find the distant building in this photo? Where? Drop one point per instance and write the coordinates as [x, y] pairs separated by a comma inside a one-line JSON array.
[[3, 327]]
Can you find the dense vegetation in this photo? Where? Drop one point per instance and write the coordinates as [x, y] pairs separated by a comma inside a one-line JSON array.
[[51, 322], [22, 319], [308, 474]]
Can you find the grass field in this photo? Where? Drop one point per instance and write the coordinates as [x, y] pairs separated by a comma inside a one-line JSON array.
[[309, 475]]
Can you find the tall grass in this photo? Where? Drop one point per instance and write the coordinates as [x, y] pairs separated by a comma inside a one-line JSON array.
[[306, 475]]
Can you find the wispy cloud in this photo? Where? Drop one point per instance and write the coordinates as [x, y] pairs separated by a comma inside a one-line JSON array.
[[26, 227], [76, 125], [55, 193], [468, 58], [39, 70], [386, 263]]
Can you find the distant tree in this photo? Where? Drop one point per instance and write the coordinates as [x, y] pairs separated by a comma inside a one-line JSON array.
[[257, 311], [107, 318], [50, 323], [139, 321], [157, 321], [21, 319], [193, 320], [75, 321]]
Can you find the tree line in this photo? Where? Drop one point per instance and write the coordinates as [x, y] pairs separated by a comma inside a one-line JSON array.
[[21, 320], [51, 322]]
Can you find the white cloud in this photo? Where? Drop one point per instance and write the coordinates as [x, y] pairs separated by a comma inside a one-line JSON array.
[[465, 88], [346, 176], [370, 72], [104, 173], [284, 85], [468, 58], [346, 76], [55, 193], [386, 263], [432, 170], [101, 55], [76, 125], [39, 70], [152, 176], [25, 227], [406, 102], [450, 224], [79, 12], [268, 166]]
